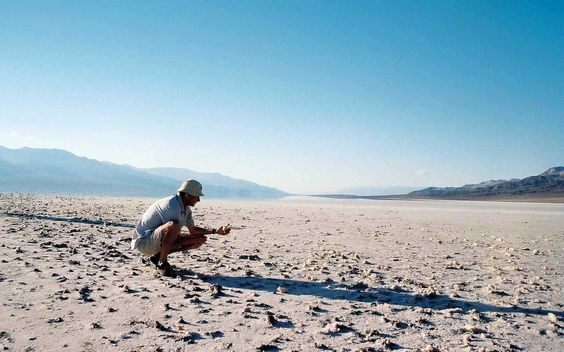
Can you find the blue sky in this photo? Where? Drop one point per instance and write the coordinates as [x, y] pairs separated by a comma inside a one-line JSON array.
[[306, 96]]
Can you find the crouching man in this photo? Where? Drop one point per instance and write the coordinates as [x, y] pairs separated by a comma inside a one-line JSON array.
[[158, 233]]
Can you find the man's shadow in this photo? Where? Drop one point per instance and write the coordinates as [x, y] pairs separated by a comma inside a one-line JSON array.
[[363, 293]]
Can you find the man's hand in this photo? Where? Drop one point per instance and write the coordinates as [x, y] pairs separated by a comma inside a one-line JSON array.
[[224, 230]]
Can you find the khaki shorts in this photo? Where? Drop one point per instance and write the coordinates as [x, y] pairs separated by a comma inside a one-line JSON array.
[[151, 243]]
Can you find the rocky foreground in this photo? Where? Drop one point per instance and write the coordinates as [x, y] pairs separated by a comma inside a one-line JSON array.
[[292, 276]]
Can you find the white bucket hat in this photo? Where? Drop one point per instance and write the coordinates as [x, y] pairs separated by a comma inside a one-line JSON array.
[[192, 187]]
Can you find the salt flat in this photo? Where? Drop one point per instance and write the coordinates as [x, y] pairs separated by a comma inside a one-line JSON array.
[[298, 274]]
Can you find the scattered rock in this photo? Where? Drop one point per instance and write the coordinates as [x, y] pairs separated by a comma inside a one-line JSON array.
[[389, 345], [214, 334], [322, 346], [472, 329], [190, 337], [127, 289], [270, 319], [370, 335], [334, 328], [216, 290], [160, 326], [56, 320], [84, 294], [253, 257], [553, 319]]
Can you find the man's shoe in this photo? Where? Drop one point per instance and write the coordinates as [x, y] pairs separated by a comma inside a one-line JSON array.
[[166, 270], [155, 259]]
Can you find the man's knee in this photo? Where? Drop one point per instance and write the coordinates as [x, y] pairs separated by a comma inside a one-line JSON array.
[[199, 241], [172, 229]]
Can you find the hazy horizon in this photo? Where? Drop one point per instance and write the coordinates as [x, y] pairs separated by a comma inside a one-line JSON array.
[[308, 98], [358, 191]]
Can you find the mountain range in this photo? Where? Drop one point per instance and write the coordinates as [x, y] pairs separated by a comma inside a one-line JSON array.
[[59, 171], [548, 183], [546, 187]]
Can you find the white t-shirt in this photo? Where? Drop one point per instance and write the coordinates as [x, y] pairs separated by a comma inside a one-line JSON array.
[[161, 212]]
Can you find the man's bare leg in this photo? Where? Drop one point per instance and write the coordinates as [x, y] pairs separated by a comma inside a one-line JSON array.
[[184, 243], [171, 233]]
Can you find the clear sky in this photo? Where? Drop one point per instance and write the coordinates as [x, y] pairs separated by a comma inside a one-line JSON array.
[[306, 96]]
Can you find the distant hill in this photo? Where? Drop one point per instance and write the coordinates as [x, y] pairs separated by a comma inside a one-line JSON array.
[[549, 183], [59, 171], [546, 187], [218, 184]]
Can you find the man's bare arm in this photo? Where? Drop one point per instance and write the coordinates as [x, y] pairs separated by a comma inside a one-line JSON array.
[[195, 230]]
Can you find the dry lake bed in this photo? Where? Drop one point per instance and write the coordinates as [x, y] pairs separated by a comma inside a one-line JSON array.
[[297, 274]]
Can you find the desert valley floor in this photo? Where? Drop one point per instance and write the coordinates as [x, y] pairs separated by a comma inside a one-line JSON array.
[[294, 275]]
